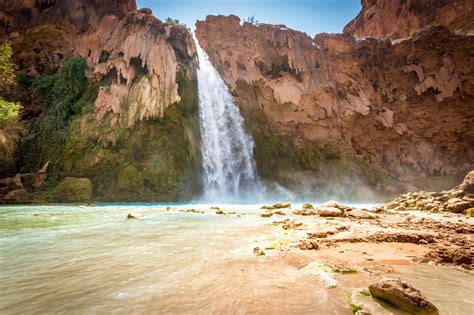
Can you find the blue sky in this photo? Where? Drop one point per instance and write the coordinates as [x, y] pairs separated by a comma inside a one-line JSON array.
[[310, 16]]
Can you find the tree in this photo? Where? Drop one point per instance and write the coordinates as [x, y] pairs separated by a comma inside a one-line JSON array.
[[9, 111], [171, 21], [252, 20]]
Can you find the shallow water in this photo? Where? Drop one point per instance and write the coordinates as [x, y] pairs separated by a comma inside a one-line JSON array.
[[92, 260], [76, 259]]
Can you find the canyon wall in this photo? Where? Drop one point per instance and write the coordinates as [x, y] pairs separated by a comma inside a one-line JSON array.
[[336, 111], [128, 120], [403, 18]]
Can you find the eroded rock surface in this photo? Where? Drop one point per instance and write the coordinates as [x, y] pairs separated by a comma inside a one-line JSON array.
[[345, 108], [400, 18], [139, 86]]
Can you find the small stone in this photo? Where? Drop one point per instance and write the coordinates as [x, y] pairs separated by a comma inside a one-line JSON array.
[[266, 214], [258, 252], [308, 245], [318, 235], [131, 216]]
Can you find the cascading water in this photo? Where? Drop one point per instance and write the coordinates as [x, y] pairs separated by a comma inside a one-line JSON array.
[[227, 150]]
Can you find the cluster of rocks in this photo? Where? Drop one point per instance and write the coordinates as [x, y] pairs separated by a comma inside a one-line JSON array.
[[460, 199], [276, 208]]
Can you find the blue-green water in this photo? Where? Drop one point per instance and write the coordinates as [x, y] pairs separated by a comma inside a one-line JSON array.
[[75, 259]]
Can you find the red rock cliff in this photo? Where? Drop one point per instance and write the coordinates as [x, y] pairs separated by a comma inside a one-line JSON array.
[[116, 40], [403, 18], [405, 108]]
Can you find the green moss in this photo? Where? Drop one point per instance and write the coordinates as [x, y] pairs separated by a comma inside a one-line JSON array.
[[129, 178], [280, 245], [355, 308], [327, 166], [164, 151], [74, 190]]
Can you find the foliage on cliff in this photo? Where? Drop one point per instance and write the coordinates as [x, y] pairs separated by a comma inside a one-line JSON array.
[[60, 93]]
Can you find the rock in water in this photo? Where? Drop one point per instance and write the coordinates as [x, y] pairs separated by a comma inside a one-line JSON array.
[[131, 216], [402, 295]]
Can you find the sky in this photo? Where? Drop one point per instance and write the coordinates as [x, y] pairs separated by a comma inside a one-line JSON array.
[[309, 16]]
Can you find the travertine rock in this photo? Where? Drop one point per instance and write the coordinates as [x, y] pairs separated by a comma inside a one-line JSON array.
[[401, 18], [404, 107], [135, 56]]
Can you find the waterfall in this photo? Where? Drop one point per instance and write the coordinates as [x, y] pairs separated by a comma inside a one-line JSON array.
[[227, 150]]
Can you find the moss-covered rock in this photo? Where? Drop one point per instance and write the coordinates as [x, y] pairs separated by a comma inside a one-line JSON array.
[[318, 168], [157, 159], [73, 189]]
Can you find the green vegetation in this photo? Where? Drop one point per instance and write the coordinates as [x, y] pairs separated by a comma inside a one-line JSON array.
[[129, 178], [74, 190], [104, 56], [10, 130], [61, 94], [7, 68], [171, 21], [252, 20], [280, 245], [355, 308], [9, 111]]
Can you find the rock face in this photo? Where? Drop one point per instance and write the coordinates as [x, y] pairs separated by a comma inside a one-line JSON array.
[[128, 120], [400, 18], [338, 107], [136, 52]]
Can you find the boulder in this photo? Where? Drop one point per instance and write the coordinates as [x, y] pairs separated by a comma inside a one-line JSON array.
[[402, 295], [470, 212], [266, 214], [330, 212], [73, 189], [457, 205]]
